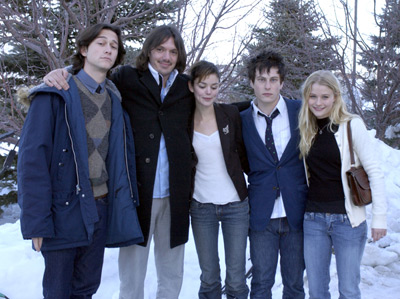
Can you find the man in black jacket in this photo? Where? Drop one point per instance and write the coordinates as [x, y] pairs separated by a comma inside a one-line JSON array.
[[159, 103]]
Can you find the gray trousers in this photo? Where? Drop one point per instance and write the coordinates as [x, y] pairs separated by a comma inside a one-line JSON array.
[[132, 260]]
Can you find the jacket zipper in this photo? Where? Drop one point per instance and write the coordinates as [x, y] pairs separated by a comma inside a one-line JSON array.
[[78, 188], [126, 160]]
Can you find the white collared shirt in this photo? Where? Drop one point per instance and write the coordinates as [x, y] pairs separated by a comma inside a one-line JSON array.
[[281, 133], [170, 80], [161, 181]]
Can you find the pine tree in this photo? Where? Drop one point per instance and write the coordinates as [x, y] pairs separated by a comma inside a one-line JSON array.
[[381, 60], [292, 30]]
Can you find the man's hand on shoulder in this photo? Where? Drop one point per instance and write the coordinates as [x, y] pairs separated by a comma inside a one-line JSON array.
[[57, 78]]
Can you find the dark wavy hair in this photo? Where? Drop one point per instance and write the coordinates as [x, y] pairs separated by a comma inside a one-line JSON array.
[[155, 38], [203, 69], [86, 37], [264, 61]]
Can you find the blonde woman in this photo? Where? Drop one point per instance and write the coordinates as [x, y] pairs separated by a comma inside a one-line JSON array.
[[331, 220]]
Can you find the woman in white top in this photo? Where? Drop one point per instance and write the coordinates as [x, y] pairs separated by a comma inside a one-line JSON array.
[[220, 192], [331, 220]]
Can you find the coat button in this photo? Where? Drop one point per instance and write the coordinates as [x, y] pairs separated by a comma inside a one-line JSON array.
[[147, 160], [67, 203], [65, 150], [83, 195], [151, 136], [60, 164]]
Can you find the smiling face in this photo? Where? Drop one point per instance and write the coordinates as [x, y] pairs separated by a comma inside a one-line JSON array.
[[321, 100], [267, 87], [164, 57], [101, 54], [205, 90]]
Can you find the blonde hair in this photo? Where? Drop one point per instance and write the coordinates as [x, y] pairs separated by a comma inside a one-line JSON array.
[[307, 121]]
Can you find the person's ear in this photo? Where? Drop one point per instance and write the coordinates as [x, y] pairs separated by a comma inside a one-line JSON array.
[[190, 86], [83, 51]]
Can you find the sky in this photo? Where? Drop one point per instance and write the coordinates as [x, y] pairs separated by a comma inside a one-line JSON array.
[[366, 24], [21, 268], [222, 50]]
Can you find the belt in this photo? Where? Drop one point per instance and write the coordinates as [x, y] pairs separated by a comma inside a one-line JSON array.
[[101, 197]]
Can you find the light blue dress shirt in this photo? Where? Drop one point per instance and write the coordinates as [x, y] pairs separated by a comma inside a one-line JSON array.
[[89, 82], [161, 182]]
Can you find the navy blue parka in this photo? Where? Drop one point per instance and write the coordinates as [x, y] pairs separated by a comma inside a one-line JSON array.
[[54, 190]]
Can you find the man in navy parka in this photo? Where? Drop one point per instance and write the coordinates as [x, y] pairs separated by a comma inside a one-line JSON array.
[[77, 190]]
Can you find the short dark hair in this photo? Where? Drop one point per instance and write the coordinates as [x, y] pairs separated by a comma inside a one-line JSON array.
[[155, 38], [203, 69], [86, 37], [264, 61]]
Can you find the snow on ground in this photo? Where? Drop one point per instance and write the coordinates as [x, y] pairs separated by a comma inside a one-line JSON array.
[[21, 268], [10, 215], [5, 147]]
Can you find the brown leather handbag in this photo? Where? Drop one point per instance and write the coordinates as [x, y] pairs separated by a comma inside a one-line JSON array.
[[357, 178]]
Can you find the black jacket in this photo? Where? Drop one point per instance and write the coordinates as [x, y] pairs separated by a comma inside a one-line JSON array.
[[149, 118]]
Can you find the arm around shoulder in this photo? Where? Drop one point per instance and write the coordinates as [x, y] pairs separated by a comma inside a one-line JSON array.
[[57, 78]]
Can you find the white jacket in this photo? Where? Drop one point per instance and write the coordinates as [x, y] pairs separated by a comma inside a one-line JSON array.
[[365, 155]]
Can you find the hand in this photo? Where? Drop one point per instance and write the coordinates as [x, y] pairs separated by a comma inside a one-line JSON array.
[[377, 233], [57, 78], [37, 243]]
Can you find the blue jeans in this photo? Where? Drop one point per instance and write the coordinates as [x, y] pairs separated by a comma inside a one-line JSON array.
[[322, 231], [265, 246], [234, 219], [75, 273]]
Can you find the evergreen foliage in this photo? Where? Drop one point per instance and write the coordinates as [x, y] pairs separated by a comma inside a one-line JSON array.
[[292, 29], [381, 83], [8, 180], [42, 34]]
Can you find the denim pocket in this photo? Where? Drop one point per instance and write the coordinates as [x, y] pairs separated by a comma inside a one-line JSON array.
[[244, 204], [194, 204], [309, 216], [197, 207]]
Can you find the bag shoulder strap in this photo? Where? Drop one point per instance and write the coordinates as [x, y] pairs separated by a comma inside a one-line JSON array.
[[350, 139]]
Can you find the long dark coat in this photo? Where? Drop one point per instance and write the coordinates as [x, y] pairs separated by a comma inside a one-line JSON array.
[[149, 118]]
